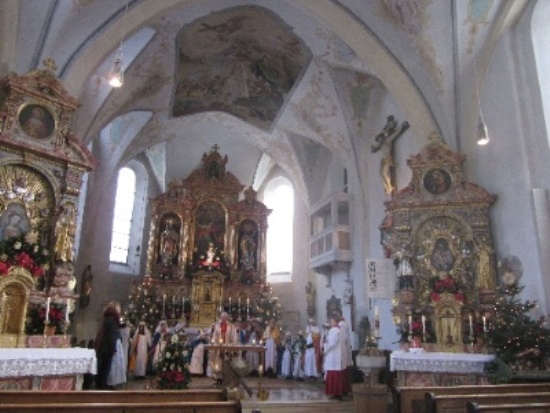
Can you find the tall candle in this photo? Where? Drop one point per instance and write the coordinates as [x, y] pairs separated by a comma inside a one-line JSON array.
[[230, 302], [471, 325], [410, 321], [247, 301], [484, 323], [67, 309], [48, 302], [376, 314], [239, 302], [423, 324]]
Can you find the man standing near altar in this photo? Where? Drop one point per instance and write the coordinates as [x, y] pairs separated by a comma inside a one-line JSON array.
[[272, 338], [224, 332], [314, 331]]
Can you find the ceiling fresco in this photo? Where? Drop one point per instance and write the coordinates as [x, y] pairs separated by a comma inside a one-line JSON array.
[[243, 61]]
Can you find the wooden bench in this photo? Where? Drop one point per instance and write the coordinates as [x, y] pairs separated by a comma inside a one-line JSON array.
[[116, 396], [412, 399], [458, 403], [509, 408], [121, 407]]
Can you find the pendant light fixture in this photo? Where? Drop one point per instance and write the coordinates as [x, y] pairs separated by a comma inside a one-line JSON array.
[[116, 75], [482, 132]]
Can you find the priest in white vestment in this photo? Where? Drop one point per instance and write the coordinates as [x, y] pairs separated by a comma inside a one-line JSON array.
[[224, 332], [140, 349], [272, 337], [310, 358]]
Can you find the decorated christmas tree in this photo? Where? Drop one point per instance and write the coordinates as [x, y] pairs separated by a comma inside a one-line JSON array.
[[173, 367], [266, 306], [517, 339]]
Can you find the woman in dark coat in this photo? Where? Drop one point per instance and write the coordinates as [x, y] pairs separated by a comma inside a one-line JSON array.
[[105, 343]]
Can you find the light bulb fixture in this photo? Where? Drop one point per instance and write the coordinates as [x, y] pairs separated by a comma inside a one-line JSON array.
[[482, 132], [116, 76]]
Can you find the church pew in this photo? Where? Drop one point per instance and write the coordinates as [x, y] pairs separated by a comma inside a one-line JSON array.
[[115, 396], [458, 403], [232, 406], [509, 408], [412, 399]]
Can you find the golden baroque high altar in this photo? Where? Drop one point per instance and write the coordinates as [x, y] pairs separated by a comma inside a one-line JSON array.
[[207, 248], [437, 230]]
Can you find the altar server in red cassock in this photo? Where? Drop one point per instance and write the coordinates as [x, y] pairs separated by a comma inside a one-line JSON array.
[[335, 379]]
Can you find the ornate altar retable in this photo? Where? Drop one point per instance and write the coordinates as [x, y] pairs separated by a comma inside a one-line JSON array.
[[45, 369], [439, 369], [206, 252]]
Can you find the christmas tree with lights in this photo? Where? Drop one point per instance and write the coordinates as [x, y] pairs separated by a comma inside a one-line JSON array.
[[516, 338], [266, 306]]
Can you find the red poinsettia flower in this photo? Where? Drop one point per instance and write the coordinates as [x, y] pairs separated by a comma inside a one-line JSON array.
[[434, 295], [459, 296], [4, 267]]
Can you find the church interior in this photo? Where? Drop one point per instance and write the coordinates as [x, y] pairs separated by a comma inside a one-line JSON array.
[[385, 160]]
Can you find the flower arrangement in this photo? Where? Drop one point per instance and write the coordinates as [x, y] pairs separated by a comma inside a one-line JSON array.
[[26, 252], [173, 367], [36, 318], [446, 285]]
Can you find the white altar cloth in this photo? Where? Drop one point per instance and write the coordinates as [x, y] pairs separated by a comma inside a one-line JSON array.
[[458, 363], [19, 362]]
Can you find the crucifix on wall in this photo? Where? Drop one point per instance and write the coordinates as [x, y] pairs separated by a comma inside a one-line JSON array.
[[385, 141]]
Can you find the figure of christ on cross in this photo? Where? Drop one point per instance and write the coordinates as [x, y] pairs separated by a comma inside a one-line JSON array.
[[385, 140]]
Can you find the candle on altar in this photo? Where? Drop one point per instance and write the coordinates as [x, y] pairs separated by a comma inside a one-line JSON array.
[[410, 321], [247, 301], [239, 302], [471, 322], [48, 302], [423, 324], [253, 341], [376, 313], [485, 323], [229, 302], [67, 310], [261, 370]]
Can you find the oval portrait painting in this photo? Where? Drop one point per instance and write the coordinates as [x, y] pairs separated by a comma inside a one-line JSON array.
[[36, 121], [437, 181]]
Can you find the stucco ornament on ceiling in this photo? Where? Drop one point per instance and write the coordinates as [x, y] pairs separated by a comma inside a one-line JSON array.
[[243, 61], [478, 10], [413, 18]]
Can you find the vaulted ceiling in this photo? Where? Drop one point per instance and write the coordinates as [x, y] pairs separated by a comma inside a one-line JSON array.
[[292, 84]]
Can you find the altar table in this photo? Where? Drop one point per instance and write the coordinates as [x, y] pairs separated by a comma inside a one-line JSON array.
[[439, 369], [45, 368], [234, 348]]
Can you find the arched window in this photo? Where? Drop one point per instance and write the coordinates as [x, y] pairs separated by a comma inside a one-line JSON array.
[[279, 197], [122, 220]]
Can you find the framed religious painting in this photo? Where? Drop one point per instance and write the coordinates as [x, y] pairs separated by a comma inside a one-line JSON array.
[[36, 121], [437, 181]]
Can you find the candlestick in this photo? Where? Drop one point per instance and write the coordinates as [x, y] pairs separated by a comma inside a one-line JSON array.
[[424, 324], [48, 302], [67, 310]]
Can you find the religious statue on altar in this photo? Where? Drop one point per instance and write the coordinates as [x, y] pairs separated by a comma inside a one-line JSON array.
[[169, 243]]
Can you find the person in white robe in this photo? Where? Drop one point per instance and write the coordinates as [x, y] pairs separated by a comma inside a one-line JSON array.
[[160, 339], [286, 363], [298, 348], [315, 331], [224, 332], [310, 358], [334, 375], [347, 361], [140, 348], [253, 357], [196, 366], [272, 338]]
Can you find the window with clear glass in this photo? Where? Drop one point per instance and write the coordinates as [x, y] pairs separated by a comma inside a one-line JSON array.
[[279, 197], [122, 220]]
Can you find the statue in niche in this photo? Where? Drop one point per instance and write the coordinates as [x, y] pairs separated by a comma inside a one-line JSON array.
[[86, 289], [485, 273], [65, 229], [169, 243], [247, 246], [310, 297]]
